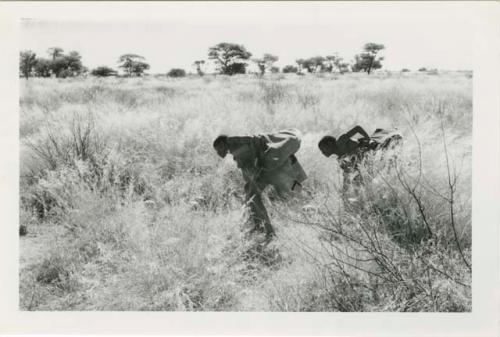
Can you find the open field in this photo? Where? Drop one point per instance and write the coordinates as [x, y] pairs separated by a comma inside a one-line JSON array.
[[127, 206]]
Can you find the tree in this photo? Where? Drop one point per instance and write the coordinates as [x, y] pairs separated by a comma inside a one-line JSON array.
[[198, 64], [67, 65], [290, 69], [237, 68], [43, 67], [229, 57], [103, 71], [74, 63], [55, 52], [139, 67], [335, 63], [58, 67], [368, 60], [329, 62], [176, 72], [27, 62], [317, 63], [265, 63], [302, 64], [342, 66], [132, 64], [311, 64]]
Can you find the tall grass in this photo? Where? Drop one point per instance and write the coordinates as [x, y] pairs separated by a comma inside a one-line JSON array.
[[128, 208]]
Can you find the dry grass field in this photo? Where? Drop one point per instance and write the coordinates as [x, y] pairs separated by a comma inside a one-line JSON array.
[[127, 206]]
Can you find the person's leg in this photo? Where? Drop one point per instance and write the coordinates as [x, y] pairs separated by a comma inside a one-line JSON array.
[[258, 212], [346, 182]]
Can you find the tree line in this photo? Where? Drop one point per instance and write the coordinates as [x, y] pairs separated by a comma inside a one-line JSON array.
[[58, 64], [229, 59]]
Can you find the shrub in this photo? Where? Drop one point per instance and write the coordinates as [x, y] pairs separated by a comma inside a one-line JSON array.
[[176, 72], [103, 71], [65, 73], [390, 241], [58, 146], [54, 270], [290, 69]]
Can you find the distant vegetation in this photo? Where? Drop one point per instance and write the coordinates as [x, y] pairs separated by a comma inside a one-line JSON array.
[[290, 69], [199, 64], [59, 65], [176, 72], [132, 64], [265, 63], [330, 63], [368, 60], [103, 71], [228, 58]]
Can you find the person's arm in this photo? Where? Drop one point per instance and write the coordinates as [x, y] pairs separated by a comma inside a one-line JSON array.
[[357, 129]]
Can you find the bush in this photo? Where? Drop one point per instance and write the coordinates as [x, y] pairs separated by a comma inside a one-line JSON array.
[[236, 68], [395, 241], [103, 71], [54, 270], [65, 73], [176, 72], [58, 147], [290, 69]]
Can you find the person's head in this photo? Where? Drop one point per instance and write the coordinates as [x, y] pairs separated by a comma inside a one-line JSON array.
[[220, 145], [328, 146]]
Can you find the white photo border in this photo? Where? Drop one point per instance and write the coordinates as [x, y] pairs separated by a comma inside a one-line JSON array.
[[482, 321]]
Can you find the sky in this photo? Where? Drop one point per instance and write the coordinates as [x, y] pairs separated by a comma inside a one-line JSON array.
[[174, 35]]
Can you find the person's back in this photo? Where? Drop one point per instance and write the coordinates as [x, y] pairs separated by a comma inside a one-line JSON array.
[[265, 160], [270, 158], [351, 151], [280, 167]]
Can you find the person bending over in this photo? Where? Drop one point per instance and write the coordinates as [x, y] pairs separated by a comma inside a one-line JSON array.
[[351, 149], [267, 159]]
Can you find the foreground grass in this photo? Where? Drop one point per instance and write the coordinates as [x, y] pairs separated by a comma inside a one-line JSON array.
[[128, 208]]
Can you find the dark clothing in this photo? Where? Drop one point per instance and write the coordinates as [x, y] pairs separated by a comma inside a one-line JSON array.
[[350, 163], [267, 160]]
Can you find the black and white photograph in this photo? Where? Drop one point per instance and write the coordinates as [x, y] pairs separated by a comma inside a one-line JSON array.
[[248, 157]]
